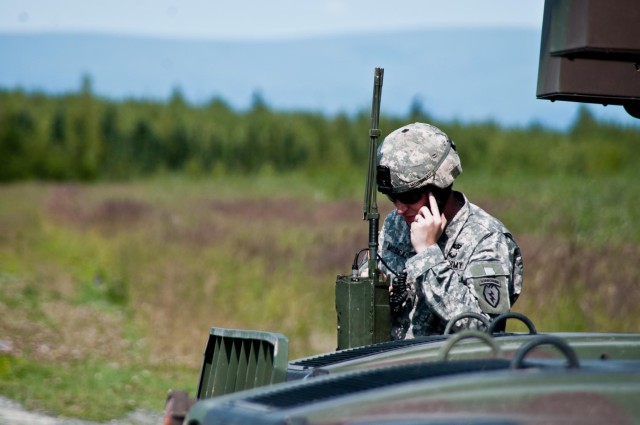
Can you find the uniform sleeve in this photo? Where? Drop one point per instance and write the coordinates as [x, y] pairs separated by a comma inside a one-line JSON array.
[[482, 288]]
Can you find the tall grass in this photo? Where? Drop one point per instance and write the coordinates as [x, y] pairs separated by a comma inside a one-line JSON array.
[[112, 288]]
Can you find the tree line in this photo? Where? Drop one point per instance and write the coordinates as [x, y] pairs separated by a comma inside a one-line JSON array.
[[82, 137]]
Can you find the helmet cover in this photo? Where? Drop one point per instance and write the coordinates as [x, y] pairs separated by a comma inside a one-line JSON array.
[[415, 156]]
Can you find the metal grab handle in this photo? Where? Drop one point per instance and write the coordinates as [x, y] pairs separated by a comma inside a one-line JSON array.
[[444, 351], [559, 343], [463, 315], [503, 317]]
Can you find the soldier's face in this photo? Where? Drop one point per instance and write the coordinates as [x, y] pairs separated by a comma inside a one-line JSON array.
[[409, 210]]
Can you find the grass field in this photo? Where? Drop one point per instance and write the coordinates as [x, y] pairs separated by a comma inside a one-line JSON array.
[[107, 291]]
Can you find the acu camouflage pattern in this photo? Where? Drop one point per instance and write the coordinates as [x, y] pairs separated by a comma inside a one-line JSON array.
[[418, 155], [475, 266]]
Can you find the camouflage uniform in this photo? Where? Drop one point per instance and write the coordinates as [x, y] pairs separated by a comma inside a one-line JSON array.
[[476, 266]]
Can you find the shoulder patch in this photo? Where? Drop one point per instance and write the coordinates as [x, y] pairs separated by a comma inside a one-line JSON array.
[[490, 282]]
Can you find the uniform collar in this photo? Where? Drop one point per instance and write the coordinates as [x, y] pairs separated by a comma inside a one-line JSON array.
[[454, 227]]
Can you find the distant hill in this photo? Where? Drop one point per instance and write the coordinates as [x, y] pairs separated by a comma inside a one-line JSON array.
[[455, 74]]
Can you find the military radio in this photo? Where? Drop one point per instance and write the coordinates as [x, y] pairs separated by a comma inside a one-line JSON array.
[[362, 302]]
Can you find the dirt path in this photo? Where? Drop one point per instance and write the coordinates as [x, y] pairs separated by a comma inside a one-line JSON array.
[[12, 413]]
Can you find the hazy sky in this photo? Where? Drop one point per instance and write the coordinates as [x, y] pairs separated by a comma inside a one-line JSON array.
[[250, 19], [267, 19]]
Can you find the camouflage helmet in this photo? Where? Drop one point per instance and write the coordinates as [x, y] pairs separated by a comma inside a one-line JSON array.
[[415, 156]]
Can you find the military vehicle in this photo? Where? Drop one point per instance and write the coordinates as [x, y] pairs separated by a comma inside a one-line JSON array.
[[590, 53], [467, 377]]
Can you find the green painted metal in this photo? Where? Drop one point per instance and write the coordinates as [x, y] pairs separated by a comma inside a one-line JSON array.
[[494, 390], [569, 396], [362, 307], [362, 303], [614, 346], [236, 360]]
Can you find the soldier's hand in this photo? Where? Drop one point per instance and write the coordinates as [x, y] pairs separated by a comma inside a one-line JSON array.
[[427, 226]]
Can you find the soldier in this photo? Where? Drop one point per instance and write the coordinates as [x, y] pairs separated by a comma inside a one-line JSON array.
[[455, 256]]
